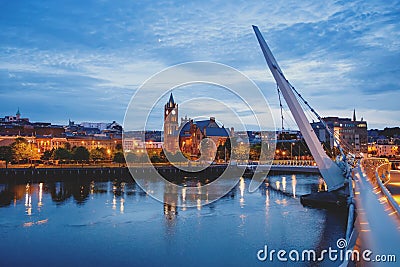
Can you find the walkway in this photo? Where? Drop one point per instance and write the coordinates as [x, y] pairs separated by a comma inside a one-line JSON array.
[[377, 223]]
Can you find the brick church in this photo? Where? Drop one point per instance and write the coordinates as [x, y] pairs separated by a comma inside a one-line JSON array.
[[188, 135]]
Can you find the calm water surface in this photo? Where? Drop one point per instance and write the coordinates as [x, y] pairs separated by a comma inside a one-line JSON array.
[[109, 224]]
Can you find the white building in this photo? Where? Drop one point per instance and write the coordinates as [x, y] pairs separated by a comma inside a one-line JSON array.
[[132, 144], [386, 150], [99, 125]]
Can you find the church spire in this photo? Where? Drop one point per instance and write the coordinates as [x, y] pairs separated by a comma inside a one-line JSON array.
[[354, 115], [171, 102]]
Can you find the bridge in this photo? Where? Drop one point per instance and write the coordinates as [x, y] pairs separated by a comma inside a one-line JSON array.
[[292, 166], [371, 188], [377, 224]]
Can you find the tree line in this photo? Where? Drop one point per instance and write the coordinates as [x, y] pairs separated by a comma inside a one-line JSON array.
[[23, 151]]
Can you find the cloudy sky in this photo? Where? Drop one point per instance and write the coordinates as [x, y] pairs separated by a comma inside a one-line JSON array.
[[84, 60]]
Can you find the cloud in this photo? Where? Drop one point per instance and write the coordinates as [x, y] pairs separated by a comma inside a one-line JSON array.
[[337, 53]]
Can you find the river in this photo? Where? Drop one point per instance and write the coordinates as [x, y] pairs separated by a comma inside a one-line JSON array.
[[110, 224]]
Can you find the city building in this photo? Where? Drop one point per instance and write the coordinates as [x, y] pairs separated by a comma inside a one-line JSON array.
[[132, 144], [48, 143], [171, 126], [138, 141], [44, 136], [383, 150], [112, 129], [350, 133], [188, 135], [193, 132], [14, 119], [92, 142], [18, 126]]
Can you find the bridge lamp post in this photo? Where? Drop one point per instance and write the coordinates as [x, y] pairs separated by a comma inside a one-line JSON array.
[[291, 150], [299, 153]]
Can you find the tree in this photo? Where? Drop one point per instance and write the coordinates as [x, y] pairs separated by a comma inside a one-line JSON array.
[[220, 152], [98, 154], [23, 150], [119, 157], [67, 146], [155, 159], [255, 152], [61, 154], [241, 150], [228, 147], [131, 158], [6, 154], [47, 154], [118, 147], [80, 153]]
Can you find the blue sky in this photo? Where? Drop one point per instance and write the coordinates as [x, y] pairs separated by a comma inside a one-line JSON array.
[[83, 60]]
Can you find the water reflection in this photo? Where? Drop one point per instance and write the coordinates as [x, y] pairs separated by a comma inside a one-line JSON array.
[[301, 184], [278, 185], [242, 188], [40, 204], [294, 183], [28, 200], [121, 213], [195, 195], [170, 201], [118, 195], [284, 184], [62, 192], [81, 192]]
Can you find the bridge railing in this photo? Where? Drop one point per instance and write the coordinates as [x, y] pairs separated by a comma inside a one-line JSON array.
[[294, 162], [351, 235], [383, 174], [378, 171]]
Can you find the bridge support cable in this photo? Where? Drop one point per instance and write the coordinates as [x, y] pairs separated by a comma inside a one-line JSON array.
[[347, 148], [330, 131], [331, 172], [280, 105]]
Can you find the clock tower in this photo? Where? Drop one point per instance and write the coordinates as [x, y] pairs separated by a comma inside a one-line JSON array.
[[171, 125]]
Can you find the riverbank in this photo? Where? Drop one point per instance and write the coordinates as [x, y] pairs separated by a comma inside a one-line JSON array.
[[98, 173], [23, 174]]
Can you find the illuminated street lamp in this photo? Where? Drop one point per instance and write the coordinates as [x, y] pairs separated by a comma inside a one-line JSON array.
[[109, 153], [291, 150]]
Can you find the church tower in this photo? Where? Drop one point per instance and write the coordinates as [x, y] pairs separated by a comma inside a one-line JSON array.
[[171, 125], [18, 115]]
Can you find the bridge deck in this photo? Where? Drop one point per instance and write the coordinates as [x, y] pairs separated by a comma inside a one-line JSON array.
[[377, 222]]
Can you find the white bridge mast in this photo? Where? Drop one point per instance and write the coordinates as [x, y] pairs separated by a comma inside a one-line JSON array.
[[331, 172]]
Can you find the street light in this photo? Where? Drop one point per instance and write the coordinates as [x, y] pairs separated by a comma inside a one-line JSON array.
[[291, 150], [109, 153], [299, 153]]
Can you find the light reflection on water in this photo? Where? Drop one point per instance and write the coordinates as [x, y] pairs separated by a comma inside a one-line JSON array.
[[109, 223]]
